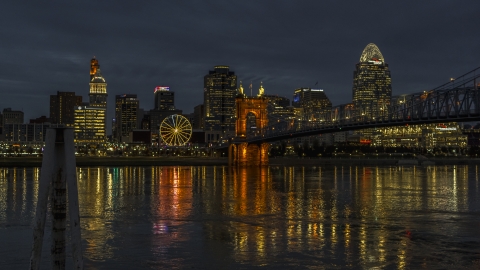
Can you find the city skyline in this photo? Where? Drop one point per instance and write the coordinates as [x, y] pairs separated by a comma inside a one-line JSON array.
[[285, 45]]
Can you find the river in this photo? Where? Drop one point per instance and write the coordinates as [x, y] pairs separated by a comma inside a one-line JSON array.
[[277, 217]]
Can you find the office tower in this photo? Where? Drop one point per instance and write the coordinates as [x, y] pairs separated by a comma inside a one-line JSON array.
[[12, 117], [62, 106], [164, 98], [372, 84], [90, 119], [313, 102], [164, 106], [220, 90], [126, 111], [89, 126], [40, 120], [198, 114], [98, 98], [278, 101], [279, 109], [31, 132]]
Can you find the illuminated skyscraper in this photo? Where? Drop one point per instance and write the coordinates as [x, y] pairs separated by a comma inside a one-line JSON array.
[[126, 111], [220, 90], [314, 103], [372, 84], [89, 127], [91, 121], [98, 90], [62, 106]]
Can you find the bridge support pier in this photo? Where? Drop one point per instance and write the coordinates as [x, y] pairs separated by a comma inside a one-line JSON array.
[[245, 154]]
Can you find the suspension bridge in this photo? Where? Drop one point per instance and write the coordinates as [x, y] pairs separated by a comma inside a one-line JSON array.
[[455, 101]]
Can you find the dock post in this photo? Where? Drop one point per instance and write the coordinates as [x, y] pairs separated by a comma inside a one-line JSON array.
[[57, 177]]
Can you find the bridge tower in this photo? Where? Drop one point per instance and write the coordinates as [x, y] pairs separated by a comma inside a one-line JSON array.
[[240, 152]]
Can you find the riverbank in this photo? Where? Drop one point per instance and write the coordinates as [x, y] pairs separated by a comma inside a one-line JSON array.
[[120, 161], [207, 161], [373, 161]]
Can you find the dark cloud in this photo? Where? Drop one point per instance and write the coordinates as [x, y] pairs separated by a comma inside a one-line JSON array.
[[286, 44]]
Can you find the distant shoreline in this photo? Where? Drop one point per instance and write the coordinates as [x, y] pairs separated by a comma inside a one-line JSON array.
[[207, 161]]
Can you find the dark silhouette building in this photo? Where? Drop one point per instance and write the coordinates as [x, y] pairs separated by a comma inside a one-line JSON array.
[[220, 90], [164, 98], [62, 108], [126, 112]]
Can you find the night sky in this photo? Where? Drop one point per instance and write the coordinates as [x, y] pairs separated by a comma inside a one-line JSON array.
[[47, 47]]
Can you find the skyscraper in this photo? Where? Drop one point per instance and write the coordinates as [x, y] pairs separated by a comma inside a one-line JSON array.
[[91, 121], [372, 84], [198, 116], [89, 127], [314, 103], [164, 98], [164, 106], [126, 111], [62, 107], [220, 90], [10, 116], [98, 90]]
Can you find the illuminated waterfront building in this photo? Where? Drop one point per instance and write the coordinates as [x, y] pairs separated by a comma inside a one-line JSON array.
[[89, 127], [372, 84], [220, 90], [314, 103], [126, 112], [62, 106], [428, 136]]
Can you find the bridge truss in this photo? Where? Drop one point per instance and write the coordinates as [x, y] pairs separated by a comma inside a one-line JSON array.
[[455, 101]]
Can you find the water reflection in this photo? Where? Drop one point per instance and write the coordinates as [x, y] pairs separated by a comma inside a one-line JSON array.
[[279, 217]]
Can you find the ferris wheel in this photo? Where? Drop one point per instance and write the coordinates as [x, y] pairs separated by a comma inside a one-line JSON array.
[[175, 130]]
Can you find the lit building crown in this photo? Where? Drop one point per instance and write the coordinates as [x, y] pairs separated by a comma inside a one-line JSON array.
[[97, 78], [371, 52]]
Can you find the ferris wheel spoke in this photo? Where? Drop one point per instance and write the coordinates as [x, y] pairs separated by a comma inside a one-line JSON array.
[[183, 137], [168, 137], [169, 126], [175, 130]]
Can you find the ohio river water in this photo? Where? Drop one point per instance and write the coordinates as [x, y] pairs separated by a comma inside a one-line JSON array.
[[337, 217]]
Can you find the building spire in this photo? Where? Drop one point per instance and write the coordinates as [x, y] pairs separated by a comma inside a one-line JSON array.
[[240, 89], [93, 67], [261, 90]]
